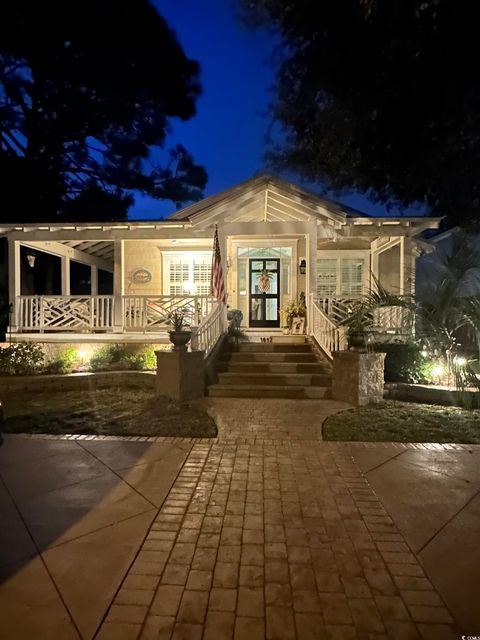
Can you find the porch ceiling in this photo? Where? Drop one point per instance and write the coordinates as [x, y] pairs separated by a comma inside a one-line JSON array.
[[99, 249]]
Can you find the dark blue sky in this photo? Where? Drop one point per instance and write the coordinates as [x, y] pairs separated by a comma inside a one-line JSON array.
[[228, 133]]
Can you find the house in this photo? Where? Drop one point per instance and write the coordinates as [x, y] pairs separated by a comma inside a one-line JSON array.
[[100, 282]]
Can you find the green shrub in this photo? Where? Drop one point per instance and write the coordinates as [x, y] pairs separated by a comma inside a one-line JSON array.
[[405, 363], [63, 362], [118, 357], [23, 359]]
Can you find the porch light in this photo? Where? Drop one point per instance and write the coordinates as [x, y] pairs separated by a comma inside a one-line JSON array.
[[31, 257], [302, 267]]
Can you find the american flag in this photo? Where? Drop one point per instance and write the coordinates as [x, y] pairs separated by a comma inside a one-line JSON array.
[[217, 282]]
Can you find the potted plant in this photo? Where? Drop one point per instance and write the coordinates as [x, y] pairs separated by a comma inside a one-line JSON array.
[[179, 334], [295, 309], [363, 318], [358, 325], [234, 331]]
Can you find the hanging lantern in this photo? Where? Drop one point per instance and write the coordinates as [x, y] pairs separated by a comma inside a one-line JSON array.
[[31, 257], [302, 267]]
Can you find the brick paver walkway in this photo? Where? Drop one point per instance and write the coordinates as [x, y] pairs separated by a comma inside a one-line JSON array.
[[278, 538]]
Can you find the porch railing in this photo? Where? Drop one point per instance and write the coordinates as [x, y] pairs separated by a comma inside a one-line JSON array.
[[210, 329], [328, 335], [64, 313], [96, 313], [151, 313]]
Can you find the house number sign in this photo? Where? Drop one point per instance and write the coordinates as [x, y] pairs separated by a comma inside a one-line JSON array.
[[141, 276]]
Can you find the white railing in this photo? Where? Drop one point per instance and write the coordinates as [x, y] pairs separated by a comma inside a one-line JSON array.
[[210, 329], [151, 313], [64, 313], [393, 319], [337, 308], [328, 335]]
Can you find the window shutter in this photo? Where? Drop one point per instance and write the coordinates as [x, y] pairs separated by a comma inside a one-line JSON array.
[[351, 277], [326, 277]]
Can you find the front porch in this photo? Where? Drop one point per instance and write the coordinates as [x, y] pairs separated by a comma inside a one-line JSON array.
[[120, 281]]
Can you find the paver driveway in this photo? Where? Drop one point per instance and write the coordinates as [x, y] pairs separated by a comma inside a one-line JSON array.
[[266, 532]]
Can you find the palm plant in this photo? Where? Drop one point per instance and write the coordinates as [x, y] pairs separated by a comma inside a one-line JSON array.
[[449, 311], [360, 322]]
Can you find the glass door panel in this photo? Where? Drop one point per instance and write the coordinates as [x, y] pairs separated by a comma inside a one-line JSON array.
[[264, 293]]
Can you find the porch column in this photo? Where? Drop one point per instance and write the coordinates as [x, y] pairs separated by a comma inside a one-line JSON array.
[[94, 280], [65, 275], [407, 267], [118, 286], [311, 258], [14, 282]]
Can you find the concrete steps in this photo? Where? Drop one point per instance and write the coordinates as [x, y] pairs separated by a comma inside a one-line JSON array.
[[266, 391], [274, 367], [282, 379], [269, 370], [262, 356]]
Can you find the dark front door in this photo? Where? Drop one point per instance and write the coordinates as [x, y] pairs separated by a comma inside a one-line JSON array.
[[264, 309]]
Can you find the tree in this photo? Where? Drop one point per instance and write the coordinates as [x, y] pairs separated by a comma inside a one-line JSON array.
[[87, 90], [381, 96]]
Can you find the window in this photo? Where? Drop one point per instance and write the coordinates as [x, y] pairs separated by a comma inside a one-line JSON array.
[[187, 274], [342, 277], [326, 277], [351, 276]]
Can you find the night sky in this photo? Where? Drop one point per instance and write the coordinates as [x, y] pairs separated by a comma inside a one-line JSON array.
[[228, 133]]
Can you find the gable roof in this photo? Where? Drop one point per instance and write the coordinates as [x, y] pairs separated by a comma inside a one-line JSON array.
[[267, 198]]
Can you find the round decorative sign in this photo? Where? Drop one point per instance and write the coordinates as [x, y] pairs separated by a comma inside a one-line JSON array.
[[141, 276]]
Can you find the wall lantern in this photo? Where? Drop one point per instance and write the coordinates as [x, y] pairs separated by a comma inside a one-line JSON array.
[[302, 267], [31, 257]]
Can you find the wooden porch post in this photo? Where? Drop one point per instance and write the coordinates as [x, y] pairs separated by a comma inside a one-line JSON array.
[[65, 275], [14, 284], [311, 257], [94, 280], [118, 286], [407, 267]]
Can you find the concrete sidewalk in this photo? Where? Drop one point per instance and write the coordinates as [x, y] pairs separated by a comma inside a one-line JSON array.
[[432, 493], [264, 532]]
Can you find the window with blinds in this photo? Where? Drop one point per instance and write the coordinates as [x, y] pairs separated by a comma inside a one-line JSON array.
[[178, 274], [351, 277], [342, 277], [202, 271], [186, 274], [326, 277]]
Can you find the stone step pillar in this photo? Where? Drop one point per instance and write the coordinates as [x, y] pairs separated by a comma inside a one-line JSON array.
[[358, 378], [180, 374]]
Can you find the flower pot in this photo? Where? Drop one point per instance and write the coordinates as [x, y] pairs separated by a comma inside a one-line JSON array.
[[285, 331], [357, 341], [180, 339]]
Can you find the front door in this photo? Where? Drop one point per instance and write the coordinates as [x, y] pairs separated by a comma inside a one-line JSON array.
[[264, 308]]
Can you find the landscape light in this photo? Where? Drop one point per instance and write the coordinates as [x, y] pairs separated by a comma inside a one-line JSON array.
[[424, 353], [437, 370], [460, 361]]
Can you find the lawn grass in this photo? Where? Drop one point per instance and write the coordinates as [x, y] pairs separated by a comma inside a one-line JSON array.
[[113, 411], [393, 421]]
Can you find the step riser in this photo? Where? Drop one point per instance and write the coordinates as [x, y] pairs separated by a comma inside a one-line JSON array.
[[270, 367], [302, 380], [291, 393], [271, 357], [274, 348]]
